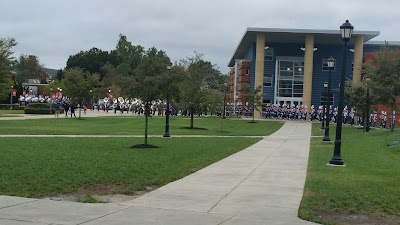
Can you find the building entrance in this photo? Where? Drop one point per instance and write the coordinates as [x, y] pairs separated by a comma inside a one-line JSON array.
[[289, 79]]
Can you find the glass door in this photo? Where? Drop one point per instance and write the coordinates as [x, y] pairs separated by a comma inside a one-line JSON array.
[[289, 82]]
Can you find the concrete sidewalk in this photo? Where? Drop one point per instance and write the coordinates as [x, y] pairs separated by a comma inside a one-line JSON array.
[[263, 184]]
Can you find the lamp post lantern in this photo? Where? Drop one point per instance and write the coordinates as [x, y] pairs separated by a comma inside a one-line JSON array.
[[367, 79], [11, 97], [331, 65], [324, 106], [166, 133], [346, 31], [51, 99]]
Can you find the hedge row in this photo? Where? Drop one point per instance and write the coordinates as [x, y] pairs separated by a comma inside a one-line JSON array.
[[41, 108], [7, 106]]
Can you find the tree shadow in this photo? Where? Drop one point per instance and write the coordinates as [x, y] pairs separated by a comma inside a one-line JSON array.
[[144, 146], [194, 128]]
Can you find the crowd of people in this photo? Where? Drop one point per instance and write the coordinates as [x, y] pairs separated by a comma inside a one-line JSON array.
[[318, 114], [283, 112]]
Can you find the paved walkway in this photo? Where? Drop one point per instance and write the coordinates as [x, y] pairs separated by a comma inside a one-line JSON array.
[[263, 184]]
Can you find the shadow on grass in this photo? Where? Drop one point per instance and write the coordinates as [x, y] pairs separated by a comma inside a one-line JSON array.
[[144, 146], [224, 131], [253, 122], [194, 128]]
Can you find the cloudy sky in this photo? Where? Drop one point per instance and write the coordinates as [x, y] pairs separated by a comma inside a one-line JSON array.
[[55, 29]]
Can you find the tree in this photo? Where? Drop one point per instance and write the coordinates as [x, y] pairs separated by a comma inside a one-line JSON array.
[[128, 54], [356, 94], [77, 85], [253, 99], [6, 63], [28, 67], [147, 82], [384, 73], [92, 61], [60, 74], [200, 76]]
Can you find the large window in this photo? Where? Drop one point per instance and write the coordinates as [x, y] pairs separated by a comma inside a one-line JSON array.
[[267, 80], [290, 79], [269, 54], [325, 66]]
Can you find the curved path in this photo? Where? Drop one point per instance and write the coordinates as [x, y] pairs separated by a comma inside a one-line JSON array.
[[262, 184]]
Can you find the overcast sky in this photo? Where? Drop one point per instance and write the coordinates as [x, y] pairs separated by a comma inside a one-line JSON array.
[[55, 29]]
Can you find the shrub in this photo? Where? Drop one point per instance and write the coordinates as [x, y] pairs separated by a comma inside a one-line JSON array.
[[41, 108]]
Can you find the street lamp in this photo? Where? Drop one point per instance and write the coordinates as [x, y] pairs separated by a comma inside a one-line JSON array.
[[51, 99], [331, 65], [324, 106], [91, 100], [166, 133], [11, 97], [367, 79], [346, 31], [223, 116]]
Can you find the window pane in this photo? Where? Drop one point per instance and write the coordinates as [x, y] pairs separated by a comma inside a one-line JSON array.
[[269, 54], [285, 84], [298, 64], [286, 75], [298, 71], [298, 79], [285, 65]]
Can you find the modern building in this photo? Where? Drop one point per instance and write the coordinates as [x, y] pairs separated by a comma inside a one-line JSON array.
[[290, 65]]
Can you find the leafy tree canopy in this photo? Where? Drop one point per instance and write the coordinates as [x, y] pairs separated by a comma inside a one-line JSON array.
[[6, 63], [28, 67]]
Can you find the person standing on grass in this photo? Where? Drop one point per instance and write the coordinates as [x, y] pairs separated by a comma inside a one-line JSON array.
[[73, 110], [66, 108], [84, 109], [57, 109]]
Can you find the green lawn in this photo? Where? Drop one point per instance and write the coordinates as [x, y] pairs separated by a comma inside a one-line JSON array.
[[135, 125], [35, 167], [368, 184], [13, 112]]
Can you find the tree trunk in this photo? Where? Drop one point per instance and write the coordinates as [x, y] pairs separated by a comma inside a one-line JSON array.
[[80, 108], [146, 113], [191, 120]]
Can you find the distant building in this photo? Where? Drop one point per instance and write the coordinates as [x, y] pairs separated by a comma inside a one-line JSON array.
[[51, 74], [291, 64]]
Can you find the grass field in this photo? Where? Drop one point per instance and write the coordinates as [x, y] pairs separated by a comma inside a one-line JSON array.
[[369, 184], [135, 125], [4, 112], [46, 166], [36, 167]]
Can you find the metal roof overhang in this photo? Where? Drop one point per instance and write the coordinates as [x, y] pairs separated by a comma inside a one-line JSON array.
[[280, 35]]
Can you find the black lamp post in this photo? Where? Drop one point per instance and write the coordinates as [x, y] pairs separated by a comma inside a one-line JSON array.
[[331, 65], [223, 116], [11, 97], [346, 31], [91, 100], [367, 79], [166, 133], [51, 100], [324, 107]]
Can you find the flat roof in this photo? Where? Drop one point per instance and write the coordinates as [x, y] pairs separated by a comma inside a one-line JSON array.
[[283, 35], [391, 43]]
